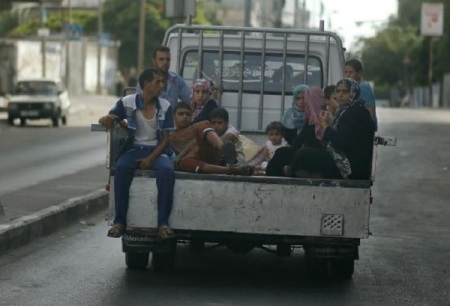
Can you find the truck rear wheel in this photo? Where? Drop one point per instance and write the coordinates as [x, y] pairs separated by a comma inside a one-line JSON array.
[[316, 267], [23, 121], [136, 260], [164, 261], [64, 120], [343, 269], [10, 121]]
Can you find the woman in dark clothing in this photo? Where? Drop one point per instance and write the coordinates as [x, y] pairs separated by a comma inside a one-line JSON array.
[[348, 139], [202, 103], [309, 136]]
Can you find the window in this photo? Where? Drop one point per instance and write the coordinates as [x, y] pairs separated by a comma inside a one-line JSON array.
[[253, 70], [36, 88]]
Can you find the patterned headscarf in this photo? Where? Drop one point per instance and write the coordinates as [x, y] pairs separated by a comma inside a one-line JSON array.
[[206, 85], [354, 98], [294, 118], [314, 104]]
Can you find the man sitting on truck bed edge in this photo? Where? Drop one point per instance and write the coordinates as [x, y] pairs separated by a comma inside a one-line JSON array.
[[149, 121]]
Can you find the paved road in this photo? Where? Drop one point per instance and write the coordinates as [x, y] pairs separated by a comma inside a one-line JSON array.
[[50, 165], [404, 262]]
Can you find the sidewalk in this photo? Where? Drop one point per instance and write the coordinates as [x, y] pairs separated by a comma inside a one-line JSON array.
[[48, 206]]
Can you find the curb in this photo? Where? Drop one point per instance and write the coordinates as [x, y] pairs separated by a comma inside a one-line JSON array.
[[46, 221]]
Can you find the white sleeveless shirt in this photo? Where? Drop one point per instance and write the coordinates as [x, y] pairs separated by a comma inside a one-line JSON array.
[[146, 130]]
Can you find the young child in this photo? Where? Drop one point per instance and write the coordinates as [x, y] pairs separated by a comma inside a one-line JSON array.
[[199, 148], [220, 120], [331, 98], [275, 133], [202, 101]]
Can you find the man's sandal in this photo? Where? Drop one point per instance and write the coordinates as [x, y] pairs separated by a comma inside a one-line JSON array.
[[165, 232], [116, 231]]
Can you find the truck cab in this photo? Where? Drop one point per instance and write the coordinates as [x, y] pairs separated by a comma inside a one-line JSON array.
[[256, 68]]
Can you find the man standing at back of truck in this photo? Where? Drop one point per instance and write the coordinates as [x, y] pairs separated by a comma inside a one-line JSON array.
[[353, 69], [175, 87]]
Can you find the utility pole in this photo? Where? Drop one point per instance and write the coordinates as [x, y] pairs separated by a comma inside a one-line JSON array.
[[99, 46], [141, 40], [43, 38], [430, 74], [248, 8]]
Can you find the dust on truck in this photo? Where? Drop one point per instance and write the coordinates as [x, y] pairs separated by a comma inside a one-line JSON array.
[[256, 69]]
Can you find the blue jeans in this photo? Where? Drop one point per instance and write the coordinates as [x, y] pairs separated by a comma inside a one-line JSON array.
[[165, 181]]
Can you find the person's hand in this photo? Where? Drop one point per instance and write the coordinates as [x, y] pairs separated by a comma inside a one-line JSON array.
[[107, 121], [332, 106], [145, 163], [178, 161], [325, 119]]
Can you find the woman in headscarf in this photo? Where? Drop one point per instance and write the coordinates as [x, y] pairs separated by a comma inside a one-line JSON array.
[[202, 102], [310, 135], [348, 139], [294, 117]]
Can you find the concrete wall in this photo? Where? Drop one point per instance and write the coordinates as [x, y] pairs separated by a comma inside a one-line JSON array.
[[73, 61]]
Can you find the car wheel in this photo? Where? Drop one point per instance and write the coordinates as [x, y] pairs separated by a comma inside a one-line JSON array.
[[64, 120], [23, 121]]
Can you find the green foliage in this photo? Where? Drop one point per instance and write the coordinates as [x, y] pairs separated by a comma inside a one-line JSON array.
[[120, 19], [56, 22], [124, 26], [8, 21], [385, 54]]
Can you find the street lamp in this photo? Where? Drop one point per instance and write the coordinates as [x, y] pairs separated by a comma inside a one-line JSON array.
[[141, 40], [99, 46]]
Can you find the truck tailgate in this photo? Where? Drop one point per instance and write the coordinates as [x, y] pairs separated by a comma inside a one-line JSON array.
[[256, 205]]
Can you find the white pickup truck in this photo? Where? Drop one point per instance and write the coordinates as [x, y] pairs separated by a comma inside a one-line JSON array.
[[327, 218]]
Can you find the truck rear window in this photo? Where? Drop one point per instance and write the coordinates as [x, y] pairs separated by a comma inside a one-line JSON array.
[[252, 70]]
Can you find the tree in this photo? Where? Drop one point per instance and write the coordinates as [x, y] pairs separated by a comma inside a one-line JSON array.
[[384, 54], [120, 20], [400, 50]]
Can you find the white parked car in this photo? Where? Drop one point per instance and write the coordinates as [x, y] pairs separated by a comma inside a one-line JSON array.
[[39, 99]]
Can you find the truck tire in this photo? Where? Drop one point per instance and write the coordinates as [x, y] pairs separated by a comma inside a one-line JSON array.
[[316, 268], [23, 121], [64, 120], [136, 260], [283, 249], [343, 269], [163, 261], [10, 121]]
